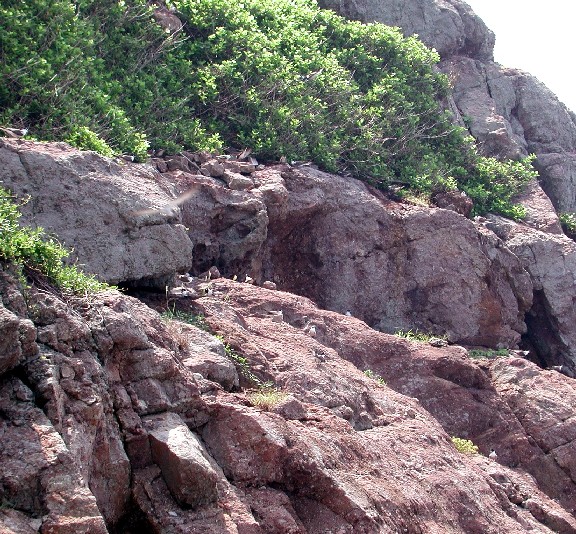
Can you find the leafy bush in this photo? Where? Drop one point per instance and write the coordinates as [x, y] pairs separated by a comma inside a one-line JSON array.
[[465, 446], [280, 76], [30, 248], [85, 139]]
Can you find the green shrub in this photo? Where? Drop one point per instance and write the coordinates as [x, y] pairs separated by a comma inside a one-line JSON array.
[[417, 335], [197, 320], [280, 76], [30, 248], [85, 139], [465, 446]]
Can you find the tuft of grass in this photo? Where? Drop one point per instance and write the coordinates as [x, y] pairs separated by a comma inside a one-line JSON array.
[[488, 353], [375, 376], [266, 397], [465, 446], [417, 335], [197, 320], [31, 249]]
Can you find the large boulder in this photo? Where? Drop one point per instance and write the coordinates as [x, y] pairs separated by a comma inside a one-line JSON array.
[[120, 219], [182, 459], [395, 266], [551, 262]]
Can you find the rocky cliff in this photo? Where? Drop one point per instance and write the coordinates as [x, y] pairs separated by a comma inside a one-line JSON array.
[[508, 111], [272, 395]]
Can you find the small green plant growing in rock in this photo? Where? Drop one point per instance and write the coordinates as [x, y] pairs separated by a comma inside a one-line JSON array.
[[42, 256], [465, 446], [197, 320], [488, 353], [371, 374], [568, 222], [568, 219], [243, 364], [417, 335], [267, 396]]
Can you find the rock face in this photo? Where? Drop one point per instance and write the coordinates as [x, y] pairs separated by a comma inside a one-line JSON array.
[[121, 437], [118, 218], [449, 26], [396, 267], [551, 262], [323, 236]]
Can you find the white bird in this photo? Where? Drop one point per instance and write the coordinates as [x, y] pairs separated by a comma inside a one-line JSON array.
[[248, 280], [348, 313], [493, 455], [170, 207], [310, 329]]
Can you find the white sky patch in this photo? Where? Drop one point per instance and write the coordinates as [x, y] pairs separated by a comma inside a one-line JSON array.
[[538, 37]]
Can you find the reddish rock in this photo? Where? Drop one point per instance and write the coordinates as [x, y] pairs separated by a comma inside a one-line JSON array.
[[240, 167], [343, 453], [182, 459], [38, 476], [452, 387], [396, 267], [212, 168], [457, 201]]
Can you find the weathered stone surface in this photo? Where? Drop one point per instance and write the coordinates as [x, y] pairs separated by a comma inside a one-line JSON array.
[[449, 26], [551, 262], [542, 402], [316, 462], [230, 515], [540, 213], [269, 450], [237, 181], [182, 459], [240, 167], [38, 476], [212, 168], [457, 201], [17, 339], [118, 218], [15, 522], [227, 228], [396, 267]]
